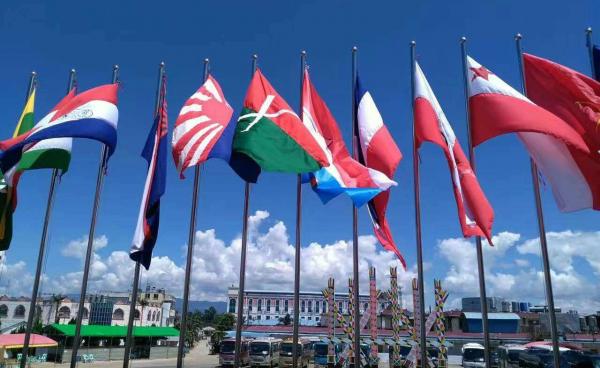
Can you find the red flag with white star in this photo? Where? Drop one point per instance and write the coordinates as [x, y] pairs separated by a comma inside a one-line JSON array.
[[557, 127]]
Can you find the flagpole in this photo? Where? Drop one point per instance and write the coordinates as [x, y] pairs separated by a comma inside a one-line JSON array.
[[590, 46], [42, 249], [541, 226], [190, 252], [480, 267], [129, 342], [241, 286], [416, 179], [355, 285], [298, 233], [90, 245]]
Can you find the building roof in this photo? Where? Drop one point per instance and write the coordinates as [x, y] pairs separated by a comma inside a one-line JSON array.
[[115, 331], [13, 341], [496, 316]]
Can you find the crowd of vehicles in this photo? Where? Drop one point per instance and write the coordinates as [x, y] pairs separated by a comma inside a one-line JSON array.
[[532, 355]]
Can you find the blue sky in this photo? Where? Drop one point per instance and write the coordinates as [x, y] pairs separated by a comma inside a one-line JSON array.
[[52, 38]]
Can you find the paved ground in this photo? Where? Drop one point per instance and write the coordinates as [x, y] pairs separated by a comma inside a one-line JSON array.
[[197, 358]]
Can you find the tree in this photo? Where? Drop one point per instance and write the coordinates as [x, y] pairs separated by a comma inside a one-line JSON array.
[[143, 302], [286, 320]]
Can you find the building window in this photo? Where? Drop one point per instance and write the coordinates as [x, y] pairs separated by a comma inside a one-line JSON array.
[[20, 311], [118, 314], [250, 305], [136, 314], [365, 306], [317, 319], [158, 316], [309, 318], [303, 306], [258, 318], [317, 304], [64, 312], [310, 306], [149, 317], [341, 307], [3, 310], [286, 305], [232, 305], [259, 305], [268, 317], [85, 313], [268, 305], [324, 306]]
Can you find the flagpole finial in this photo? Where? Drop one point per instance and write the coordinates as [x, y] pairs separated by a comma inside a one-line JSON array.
[[354, 49], [115, 67], [463, 39], [303, 52], [162, 64], [588, 30], [413, 43], [33, 73], [72, 71], [206, 60], [518, 36], [254, 56]]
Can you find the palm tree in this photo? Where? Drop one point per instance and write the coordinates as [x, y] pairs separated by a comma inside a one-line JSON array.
[[57, 299]]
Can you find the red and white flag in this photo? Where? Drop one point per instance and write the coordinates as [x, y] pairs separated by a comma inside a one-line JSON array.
[[201, 123], [475, 212], [496, 108]]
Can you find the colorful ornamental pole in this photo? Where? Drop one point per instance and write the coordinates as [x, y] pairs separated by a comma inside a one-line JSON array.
[[329, 293], [440, 299], [396, 315], [373, 295], [351, 353]]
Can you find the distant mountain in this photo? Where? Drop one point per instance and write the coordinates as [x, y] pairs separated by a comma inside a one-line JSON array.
[[201, 305]]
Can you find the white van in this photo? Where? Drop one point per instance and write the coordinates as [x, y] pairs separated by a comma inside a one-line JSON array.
[[264, 352], [472, 356]]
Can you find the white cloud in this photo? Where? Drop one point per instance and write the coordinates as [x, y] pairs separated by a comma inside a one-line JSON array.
[[77, 248], [572, 290]]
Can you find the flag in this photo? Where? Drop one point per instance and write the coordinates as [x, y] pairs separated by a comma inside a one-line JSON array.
[[596, 61], [431, 125], [49, 153], [155, 153], [343, 174], [556, 147], [378, 151], [91, 114], [202, 129], [270, 136], [575, 98]]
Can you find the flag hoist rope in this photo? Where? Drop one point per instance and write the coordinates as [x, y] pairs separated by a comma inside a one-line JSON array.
[[417, 194], [42, 250], [90, 245], [479, 247], [241, 286], [130, 340]]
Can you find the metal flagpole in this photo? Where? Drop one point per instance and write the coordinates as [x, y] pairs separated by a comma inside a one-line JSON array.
[[42, 250], [421, 283], [190, 253], [355, 276], [90, 245], [241, 286], [298, 233], [590, 46], [541, 226], [478, 245], [130, 342]]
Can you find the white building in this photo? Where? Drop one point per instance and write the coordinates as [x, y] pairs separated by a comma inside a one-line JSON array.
[[263, 307], [154, 308]]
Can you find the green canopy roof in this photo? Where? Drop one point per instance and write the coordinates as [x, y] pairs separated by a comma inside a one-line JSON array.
[[115, 331]]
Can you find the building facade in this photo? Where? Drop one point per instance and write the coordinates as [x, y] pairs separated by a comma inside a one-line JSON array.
[[154, 308], [262, 307]]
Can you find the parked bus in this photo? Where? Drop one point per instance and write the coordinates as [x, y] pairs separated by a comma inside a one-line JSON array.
[[303, 353], [472, 356], [321, 351], [264, 352], [508, 355], [227, 353]]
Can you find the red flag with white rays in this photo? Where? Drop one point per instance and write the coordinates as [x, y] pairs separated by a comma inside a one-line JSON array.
[[475, 213]]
